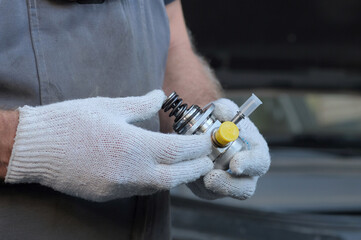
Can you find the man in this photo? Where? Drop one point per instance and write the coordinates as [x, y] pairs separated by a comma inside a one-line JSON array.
[[54, 51]]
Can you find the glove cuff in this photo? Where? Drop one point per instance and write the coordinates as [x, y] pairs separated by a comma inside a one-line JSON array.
[[34, 158]]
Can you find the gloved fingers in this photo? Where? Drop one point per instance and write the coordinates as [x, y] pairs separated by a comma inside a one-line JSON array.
[[255, 159], [170, 176], [139, 108], [251, 162], [200, 190], [223, 183], [225, 109], [173, 148], [248, 130]]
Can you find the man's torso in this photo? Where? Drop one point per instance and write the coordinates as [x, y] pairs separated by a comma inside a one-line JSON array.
[[52, 51]]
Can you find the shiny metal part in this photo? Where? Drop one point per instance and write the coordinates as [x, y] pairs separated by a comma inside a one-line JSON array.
[[199, 121], [224, 155], [214, 140], [239, 116], [187, 120], [175, 103], [247, 108], [202, 121]]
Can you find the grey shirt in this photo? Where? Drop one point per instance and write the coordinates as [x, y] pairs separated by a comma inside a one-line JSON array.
[[53, 50]]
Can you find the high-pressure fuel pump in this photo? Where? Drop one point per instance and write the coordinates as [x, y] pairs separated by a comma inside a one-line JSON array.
[[225, 136]]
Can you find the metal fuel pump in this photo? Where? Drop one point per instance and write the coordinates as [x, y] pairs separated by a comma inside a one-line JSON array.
[[195, 120]]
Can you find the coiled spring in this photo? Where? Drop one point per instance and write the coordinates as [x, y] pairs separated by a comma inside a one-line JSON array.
[[175, 103]]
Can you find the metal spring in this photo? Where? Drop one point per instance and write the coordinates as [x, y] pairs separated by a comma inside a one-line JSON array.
[[175, 103]]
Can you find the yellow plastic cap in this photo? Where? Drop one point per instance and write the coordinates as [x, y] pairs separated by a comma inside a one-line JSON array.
[[226, 133]]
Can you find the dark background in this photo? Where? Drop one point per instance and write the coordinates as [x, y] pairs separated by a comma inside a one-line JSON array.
[[303, 59], [269, 39]]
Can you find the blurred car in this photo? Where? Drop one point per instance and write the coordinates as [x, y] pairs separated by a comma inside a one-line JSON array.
[[313, 186], [303, 60]]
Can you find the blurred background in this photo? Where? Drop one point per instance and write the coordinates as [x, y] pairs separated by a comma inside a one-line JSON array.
[[303, 59]]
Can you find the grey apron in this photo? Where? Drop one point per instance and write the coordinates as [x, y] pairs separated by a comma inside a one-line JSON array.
[[51, 51]]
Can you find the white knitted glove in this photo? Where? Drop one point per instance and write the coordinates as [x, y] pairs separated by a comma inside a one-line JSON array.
[[88, 148], [246, 166]]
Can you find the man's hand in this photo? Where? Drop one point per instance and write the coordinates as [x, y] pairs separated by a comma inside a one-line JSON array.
[[8, 125], [88, 148], [191, 77], [246, 166]]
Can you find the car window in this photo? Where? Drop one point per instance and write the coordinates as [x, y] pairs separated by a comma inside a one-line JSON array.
[[287, 113]]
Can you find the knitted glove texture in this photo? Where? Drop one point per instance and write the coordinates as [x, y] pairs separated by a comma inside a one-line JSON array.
[[88, 148], [246, 166]]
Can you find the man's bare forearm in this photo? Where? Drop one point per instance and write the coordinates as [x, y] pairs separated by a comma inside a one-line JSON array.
[[186, 73], [190, 76], [8, 125]]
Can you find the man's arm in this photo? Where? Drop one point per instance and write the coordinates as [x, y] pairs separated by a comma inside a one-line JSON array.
[[186, 73], [8, 124], [191, 77]]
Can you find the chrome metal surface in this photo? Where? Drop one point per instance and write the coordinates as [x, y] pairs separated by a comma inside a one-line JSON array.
[[187, 119], [214, 140], [223, 159], [205, 127], [239, 116], [200, 121]]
